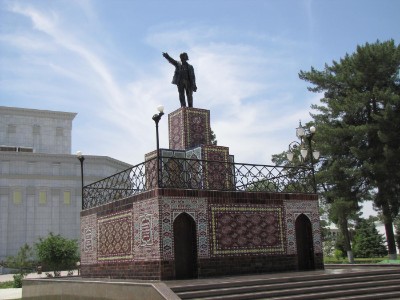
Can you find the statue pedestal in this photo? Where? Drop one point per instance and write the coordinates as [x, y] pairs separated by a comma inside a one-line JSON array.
[[188, 128], [198, 216], [190, 137]]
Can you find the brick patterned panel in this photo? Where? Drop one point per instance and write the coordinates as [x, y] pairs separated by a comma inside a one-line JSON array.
[[146, 230], [217, 175], [293, 209], [89, 239], [115, 237], [176, 130], [195, 207], [198, 131], [188, 128], [248, 230]]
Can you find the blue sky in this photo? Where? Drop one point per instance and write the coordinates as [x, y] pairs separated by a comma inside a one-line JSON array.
[[103, 60]]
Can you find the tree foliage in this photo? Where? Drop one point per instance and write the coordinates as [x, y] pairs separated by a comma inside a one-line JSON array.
[[23, 260], [213, 138], [367, 241], [57, 253], [397, 226], [358, 124]]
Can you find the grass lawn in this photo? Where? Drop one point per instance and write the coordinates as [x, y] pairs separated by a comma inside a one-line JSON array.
[[6, 285], [374, 260]]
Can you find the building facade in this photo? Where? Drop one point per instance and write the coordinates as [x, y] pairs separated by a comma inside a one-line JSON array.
[[40, 180]]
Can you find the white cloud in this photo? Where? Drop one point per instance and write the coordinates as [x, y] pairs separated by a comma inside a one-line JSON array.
[[239, 83]]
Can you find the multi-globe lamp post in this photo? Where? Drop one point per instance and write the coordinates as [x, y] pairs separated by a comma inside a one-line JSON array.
[[306, 146], [156, 118]]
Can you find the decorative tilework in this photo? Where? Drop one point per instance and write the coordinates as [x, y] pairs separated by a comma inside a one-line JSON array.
[[218, 176], [195, 207], [295, 208], [146, 230], [89, 239], [176, 130], [245, 229], [198, 132], [115, 237], [188, 128]]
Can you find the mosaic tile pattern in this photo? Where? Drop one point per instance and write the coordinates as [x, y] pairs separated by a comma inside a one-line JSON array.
[[195, 207], [115, 237], [292, 210], [198, 131], [188, 128], [176, 130], [217, 176], [146, 230], [89, 239], [245, 229]]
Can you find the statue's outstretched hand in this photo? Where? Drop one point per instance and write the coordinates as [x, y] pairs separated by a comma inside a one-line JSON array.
[[165, 54], [195, 89]]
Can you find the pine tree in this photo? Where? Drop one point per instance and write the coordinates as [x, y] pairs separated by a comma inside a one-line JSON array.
[[358, 125], [367, 241]]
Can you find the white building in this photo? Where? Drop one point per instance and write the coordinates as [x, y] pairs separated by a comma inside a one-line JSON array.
[[40, 180]]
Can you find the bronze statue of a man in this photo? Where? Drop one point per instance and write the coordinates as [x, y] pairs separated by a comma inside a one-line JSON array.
[[184, 78]]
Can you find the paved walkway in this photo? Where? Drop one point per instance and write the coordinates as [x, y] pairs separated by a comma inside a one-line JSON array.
[[7, 294]]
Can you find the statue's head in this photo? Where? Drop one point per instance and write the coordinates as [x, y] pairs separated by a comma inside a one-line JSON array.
[[184, 56]]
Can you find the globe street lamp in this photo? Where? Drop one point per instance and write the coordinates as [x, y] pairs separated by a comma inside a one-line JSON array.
[[81, 158], [305, 145], [156, 118]]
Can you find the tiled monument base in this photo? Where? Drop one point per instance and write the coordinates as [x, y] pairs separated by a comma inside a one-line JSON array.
[[236, 233], [216, 232]]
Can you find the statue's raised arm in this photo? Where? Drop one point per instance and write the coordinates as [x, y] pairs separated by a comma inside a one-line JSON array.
[[184, 78]]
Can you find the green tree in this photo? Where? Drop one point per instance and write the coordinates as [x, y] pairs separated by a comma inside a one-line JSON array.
[[397, 226], [23, 261], [261, 186], [367, 240], [340, 213], [358, 124], [57, 253], [213, 138]]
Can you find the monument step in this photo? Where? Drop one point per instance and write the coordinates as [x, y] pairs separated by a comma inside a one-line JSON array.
[[380, 296], [264, 279], [282, 288], [360, 284]]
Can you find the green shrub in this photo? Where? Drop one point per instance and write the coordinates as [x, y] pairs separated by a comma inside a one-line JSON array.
[[18, 280], [57, 253]]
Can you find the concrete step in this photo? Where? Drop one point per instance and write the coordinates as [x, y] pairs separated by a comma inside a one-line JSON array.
[[392, 292], [378, 296], [363, 284], [264, 279], [241, 289]]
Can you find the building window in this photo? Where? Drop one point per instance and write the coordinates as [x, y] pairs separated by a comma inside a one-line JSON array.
[[67, 197], [17, 197], [42, 197]]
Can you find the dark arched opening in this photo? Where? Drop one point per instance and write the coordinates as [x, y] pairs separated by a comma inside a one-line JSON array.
[[185, 247], [304, 243]]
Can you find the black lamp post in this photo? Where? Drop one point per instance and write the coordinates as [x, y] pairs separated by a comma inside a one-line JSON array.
[[156, 118], [305, 135], [81, 158]]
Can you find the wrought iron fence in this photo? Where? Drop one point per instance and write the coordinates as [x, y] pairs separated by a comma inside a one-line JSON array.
[[185, 173]]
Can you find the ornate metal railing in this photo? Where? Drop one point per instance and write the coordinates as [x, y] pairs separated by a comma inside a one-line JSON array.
[[183, 173]]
